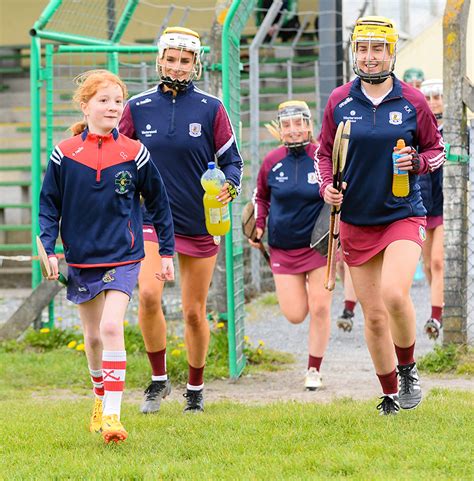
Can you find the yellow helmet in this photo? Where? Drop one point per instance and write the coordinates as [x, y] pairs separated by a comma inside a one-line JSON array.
[[374, 29]]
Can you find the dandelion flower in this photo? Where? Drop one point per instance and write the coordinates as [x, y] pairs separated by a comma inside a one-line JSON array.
[[76, 327], [126, 323], [246, 338], [72, 344], [259, 352], [220, 325], [261, 343], [45, 330], [80, 347], [181, 344], [175, 352]]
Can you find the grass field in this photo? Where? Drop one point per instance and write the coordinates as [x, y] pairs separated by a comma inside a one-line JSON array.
[[342, 440]]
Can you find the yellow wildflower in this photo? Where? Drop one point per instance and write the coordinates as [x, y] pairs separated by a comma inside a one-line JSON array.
[[259, 352], [175, 352], [76, 327], [44, 330], [80, 347], [126, 323], [261, 343], [72, 344], [181, 344], [220, 325], [246, 338]]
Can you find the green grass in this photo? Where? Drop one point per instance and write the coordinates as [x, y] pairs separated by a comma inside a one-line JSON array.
[[448, 359], [282, 441], [54, 361]]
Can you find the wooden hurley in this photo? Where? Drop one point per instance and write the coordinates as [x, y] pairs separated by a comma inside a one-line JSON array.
[[44, 262], [249, 228], [339, 155]]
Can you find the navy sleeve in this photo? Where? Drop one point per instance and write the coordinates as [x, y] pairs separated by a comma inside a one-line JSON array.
[[225, 145], [50, 203], [153, 190]]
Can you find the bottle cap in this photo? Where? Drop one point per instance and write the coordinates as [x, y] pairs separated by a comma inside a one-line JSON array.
[[400, 144], [211, 165]]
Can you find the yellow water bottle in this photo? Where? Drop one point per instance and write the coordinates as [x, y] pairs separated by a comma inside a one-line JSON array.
[[401, 182], [217, 214]]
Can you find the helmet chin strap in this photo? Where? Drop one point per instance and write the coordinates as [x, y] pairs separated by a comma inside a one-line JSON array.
[[175, 84]]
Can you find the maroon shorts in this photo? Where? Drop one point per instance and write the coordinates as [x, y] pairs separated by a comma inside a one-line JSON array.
[[295, 261], [361, 243], [433, 221], [193, 246]]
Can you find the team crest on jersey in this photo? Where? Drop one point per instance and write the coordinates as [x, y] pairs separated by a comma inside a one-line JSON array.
[[108, 276], [395, 118], [122, 180], [422, 233], [195, 130], [312, 179]]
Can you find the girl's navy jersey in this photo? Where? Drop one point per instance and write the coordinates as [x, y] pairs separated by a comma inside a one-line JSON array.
[[92, 190], [403, 114], [288, 193], [431, 185], [183, 133]]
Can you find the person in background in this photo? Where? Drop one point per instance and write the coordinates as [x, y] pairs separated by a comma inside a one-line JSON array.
[[431, 185], [414, 77], [345, 320], [91, 193], [290, 24], [184, 128], [287, 196]]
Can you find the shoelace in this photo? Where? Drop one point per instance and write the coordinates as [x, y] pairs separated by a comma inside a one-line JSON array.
[[154, 389], [406, 379], [388, 405], [193, 398], [97, 413]]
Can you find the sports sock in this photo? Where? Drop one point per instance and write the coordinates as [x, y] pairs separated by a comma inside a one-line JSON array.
[[350, 305], [314, 361], [114, 364], [405, 355], [195, 378], [437, 313], [158, 365], [97, 382], [389, 382]]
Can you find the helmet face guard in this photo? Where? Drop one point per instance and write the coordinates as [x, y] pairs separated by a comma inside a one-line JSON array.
[[179, 40], [294, 124], [373, 43]]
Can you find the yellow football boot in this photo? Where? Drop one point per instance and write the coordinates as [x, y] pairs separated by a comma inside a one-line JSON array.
[[112, 429], [96, 418]]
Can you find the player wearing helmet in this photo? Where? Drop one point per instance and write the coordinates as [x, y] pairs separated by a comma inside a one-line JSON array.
[[287, 194], [431, 185], [381, 235], [184, 128], [414, 77]]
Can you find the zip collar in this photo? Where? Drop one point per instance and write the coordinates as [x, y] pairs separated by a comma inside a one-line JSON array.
[[86, 134], [356, 90]]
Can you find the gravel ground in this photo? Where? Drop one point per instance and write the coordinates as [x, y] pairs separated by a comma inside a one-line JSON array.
[[347, 369]]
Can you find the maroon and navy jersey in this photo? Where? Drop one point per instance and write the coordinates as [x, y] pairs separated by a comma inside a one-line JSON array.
[[183, 133], [288, 193], [403, 114], [91, 192]]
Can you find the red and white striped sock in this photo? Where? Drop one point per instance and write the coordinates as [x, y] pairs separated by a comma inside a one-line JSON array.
[[114, 364], [98, 382]]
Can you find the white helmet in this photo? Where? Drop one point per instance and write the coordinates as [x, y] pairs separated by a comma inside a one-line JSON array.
[[432, 87], [180, 38]]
